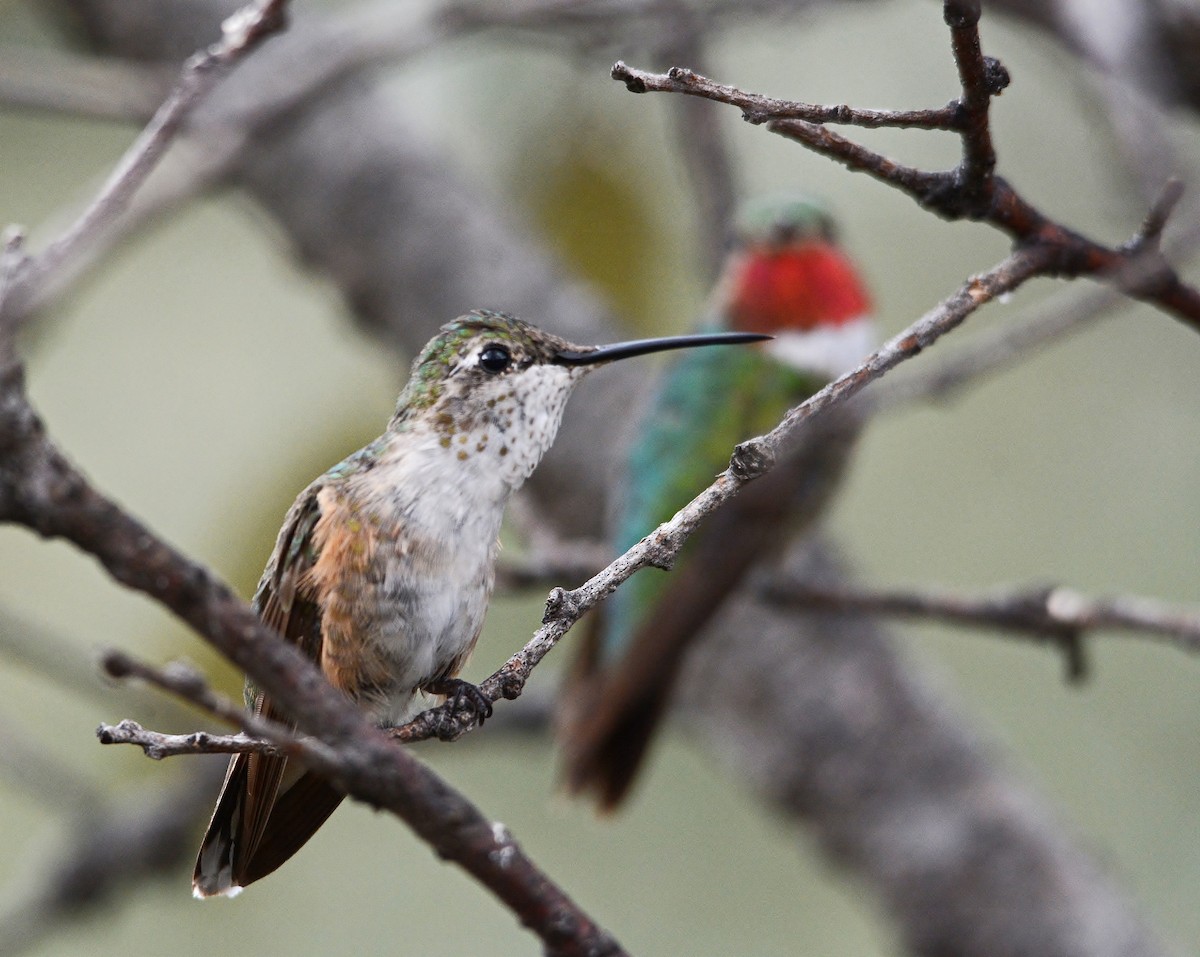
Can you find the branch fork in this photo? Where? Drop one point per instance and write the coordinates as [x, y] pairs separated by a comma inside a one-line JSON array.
[[971, 190]]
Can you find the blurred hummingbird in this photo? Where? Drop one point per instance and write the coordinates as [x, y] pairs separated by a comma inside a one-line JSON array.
[[385, 564], [784, 276]]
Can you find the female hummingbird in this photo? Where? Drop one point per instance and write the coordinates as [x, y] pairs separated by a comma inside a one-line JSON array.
[[385, 564], [785, 276]]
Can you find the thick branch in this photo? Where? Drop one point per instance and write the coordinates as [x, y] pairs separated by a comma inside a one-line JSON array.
[[397, 273], [40, 489]]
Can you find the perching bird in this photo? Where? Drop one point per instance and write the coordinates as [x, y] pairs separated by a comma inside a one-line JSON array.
[[384, 566], [787, 277]]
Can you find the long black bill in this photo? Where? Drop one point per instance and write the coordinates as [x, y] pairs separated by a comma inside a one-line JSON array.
[[638, 347]]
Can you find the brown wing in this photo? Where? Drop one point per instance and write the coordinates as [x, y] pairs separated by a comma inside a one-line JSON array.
[[263, 817], [612, 723]]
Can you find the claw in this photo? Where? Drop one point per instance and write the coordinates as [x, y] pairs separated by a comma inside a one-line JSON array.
[[462, 696]]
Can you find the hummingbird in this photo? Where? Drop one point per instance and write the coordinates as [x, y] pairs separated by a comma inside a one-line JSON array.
[[784, 275], [384, 566]]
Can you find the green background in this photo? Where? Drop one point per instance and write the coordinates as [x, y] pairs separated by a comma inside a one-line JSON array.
[[201, 378]]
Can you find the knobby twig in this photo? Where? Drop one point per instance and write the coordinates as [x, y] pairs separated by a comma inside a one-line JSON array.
[[758, 109], [303, 67], [1053, 319], [747, 468], [157, 745], [183, 681], [1023, 833], [969, 191], [1060, 615]]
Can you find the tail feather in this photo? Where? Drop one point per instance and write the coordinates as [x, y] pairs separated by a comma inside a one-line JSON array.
[[612, 709], [213, 875], [252, 833], [603, 757], [298, 813]]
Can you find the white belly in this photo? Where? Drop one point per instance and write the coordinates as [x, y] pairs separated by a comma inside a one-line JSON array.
[[430, 585]]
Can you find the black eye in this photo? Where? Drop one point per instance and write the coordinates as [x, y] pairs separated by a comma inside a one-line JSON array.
[[494, 358]]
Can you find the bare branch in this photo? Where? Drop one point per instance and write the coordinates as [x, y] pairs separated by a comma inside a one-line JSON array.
[[1003, 347], [981, 78], [157, 745], [971, 191], [1055, 613], [183, 681], [41, 490], [371, 297], [241, 33], [822, 716], [759, 109]]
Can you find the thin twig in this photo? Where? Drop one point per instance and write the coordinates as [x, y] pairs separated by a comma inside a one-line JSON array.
[[157, 745], [1056, 613], [971, 190], [42, 490], [997, 349], [183, 681], [760, 109], [242, 32]]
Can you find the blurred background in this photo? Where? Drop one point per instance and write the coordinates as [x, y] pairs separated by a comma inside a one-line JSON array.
[[202, 375]]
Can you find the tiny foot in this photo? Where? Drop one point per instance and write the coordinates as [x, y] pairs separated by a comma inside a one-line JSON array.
[[462, 696]]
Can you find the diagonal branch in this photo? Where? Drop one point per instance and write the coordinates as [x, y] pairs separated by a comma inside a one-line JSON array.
[[40, 489], [751, 459], [241, 33]]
